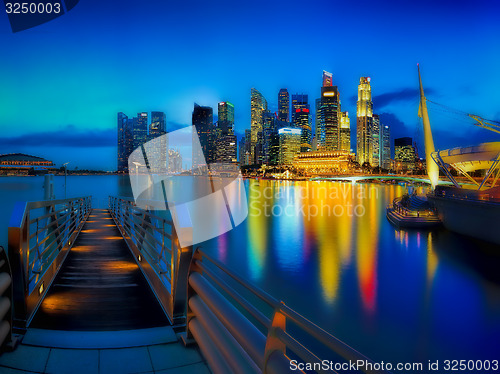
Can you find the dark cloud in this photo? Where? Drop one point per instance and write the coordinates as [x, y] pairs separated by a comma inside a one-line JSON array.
[[68, 136], [405, 94]]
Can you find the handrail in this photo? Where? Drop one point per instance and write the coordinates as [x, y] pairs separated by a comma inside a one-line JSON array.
[[153, 241], [41, 233], [225, 311], [5, 300]]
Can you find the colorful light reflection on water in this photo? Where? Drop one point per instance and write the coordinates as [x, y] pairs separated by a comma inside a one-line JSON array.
[[393, 295]]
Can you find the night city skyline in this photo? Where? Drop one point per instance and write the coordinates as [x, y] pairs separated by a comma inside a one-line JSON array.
[[166, 57]]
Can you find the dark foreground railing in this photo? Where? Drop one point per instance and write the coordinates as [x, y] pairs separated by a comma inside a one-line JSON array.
[[40, 235], [5, 300]]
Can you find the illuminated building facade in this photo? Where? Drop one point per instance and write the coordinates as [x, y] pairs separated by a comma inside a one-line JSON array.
[[385, 147], [404, 154], [327, 79], [158, 124], [125, 141], [258, 105], [345, 132], [329, 115], [301, 118], [283, 105], [289, 140], [364, 120], [375, 142], [140, 130], [226, 147], [202, 119], [24, 161], [324, 162]]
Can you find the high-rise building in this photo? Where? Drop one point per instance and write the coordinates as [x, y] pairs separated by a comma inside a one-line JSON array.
[[248, 148], [290, 140], [226, 117], [301, 118], [364, 120], [125, 141], [226, 147], [330, 117], [319, 129], [375, 142], [158, 124], [140, 131], [202, 119], [345, 132], [299, 101], [404, 154], [241, 151], [385, 147], [258, 105], [283, 105], [327, 79]]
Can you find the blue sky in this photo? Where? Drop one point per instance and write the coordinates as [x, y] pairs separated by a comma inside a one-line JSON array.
[[62, 83]]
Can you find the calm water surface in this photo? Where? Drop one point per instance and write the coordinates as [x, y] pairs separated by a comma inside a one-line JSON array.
[[327, 250]]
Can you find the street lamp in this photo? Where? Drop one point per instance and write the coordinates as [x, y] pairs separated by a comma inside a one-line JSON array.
[[65, 176]]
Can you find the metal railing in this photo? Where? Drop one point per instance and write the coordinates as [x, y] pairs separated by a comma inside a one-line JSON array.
[[41, 233], [5, 300], [153, 240], [227, 318]]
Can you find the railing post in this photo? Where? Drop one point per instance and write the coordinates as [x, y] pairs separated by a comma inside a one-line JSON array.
[[180, 278], [193, 267], [273, 343], [18, 257]]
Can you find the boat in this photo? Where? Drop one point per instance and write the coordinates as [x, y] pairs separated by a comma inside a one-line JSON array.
[[471, 209], [411, 211]]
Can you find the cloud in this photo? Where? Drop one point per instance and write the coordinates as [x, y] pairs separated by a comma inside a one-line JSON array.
[[405, 94], [68, 136]]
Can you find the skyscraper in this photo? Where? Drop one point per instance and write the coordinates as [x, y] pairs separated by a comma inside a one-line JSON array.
[[226, 147], [290, 140], [301, 118], [375, 142], [158, 124], [140, 131], [364, 120], [319, 129], [330, 117], [385, 147], [202, 119], [125, 141], [258, 105], [283, 105], [404, 154], [327, 79], [345, 132]]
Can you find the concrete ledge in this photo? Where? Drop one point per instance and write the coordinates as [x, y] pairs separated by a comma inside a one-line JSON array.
[[99, 339]]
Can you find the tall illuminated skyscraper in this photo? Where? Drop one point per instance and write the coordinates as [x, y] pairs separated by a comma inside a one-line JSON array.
[[345, 132], [140, 130], [283, 105], [202, 119], [327, 79], [375, 142], [290, 141], [226, 147], [364, 120], [330, 117], [125, 141], [258, 105], [385, 147], [301, 118], [158, 124]]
